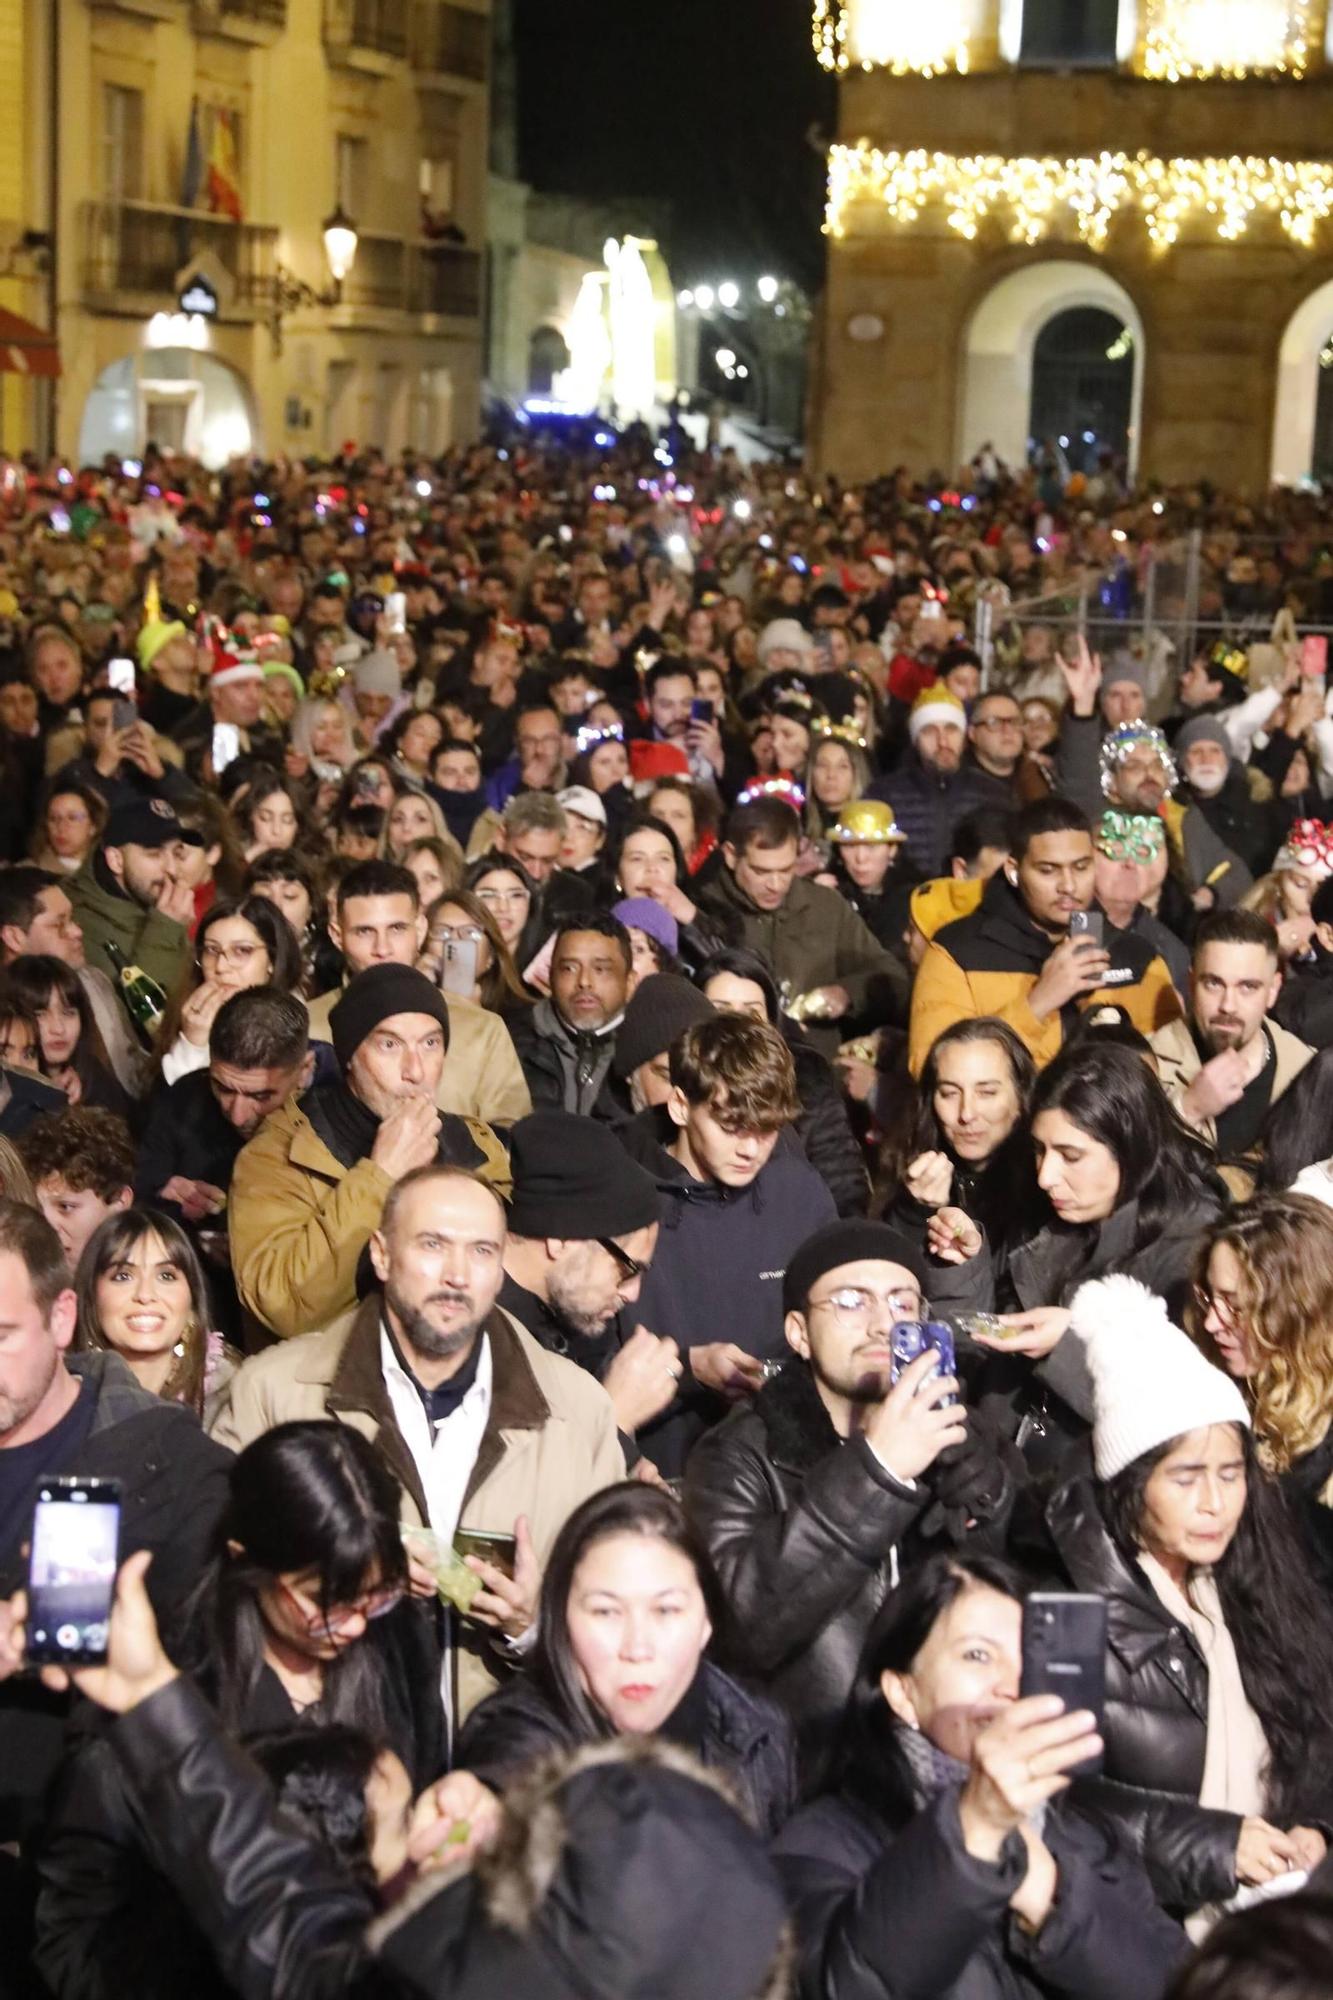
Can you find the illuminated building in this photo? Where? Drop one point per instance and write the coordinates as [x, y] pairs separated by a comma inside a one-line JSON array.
[[987, 179]]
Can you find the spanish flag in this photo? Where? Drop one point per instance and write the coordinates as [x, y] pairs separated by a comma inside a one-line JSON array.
[[224, 173]]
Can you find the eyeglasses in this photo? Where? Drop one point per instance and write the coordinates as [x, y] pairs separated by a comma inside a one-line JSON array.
[[329, 1625], [1225, 1304], [629, 1267], [998, 722], [225, 954], [503, 896], [457, 933], [852, 1307]]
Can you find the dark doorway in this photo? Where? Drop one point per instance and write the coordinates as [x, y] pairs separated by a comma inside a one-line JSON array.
[[1082, 387], [1322, 462]]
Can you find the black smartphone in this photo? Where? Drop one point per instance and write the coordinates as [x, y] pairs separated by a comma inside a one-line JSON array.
[[74, 1551], [700, 710], [1088, 924], [1064, 1653]]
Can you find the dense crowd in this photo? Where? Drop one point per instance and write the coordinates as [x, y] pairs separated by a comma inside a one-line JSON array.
[[622, 1145]]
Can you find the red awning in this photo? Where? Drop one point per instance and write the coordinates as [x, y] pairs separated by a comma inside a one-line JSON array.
[[25, 349]]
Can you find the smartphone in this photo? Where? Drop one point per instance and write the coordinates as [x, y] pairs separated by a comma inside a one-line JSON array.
[[120, 676], [367, 786], [1064, 1653], [492, 1548], [701, 711], [124, 715], [74, 1551], [395, 610], [911, 1337], [932, 608], [1088, 924], [1314, 656], [458, 967], [226, 746]]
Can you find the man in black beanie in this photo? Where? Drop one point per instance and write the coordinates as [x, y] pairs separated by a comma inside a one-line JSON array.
[[807, 1496], [309, 1189], [582, 1231]]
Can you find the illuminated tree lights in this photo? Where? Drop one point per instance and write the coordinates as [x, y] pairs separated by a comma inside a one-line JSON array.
[[1041, 195], [1226, 37], [900, 36]]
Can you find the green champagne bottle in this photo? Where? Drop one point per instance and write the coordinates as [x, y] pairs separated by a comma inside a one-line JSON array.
[[145, 1001]]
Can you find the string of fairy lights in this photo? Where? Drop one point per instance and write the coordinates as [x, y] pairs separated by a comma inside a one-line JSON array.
[[1037, 196], [1177, 39]]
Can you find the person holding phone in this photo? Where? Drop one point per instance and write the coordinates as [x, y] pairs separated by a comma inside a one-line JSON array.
[[810, 1493], [1017, 955], [949, 1856], [1219, 1715]]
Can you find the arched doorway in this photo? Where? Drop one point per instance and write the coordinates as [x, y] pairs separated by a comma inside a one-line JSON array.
[[1029, 346], [548, 355], [175, 397], [1303, 407]]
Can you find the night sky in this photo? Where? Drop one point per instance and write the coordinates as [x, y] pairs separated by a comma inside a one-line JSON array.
[[702, 103]]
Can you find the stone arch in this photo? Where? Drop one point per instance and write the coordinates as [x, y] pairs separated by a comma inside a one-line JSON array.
[[995, 377], [1296, 403]]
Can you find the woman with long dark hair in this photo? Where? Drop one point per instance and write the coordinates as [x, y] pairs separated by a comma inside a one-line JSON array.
[[629, 1605], [142, 1295], [1219, 1708], [964, 1139], [1297, 1134], [1127, 1188], [302, 1616], [949, 1858], [647, 860], [69, 1046]]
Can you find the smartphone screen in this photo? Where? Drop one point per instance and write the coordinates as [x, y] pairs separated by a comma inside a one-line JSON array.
[[1314, 655], [911, 1337], [395, 611], [492, 1548], [226, 746], [458, 967], [72, 1570], [120, 676]]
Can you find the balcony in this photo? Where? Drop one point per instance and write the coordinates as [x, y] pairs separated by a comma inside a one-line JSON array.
[[132, 252], [256, 22], [390, 275], [450, 42], [369, 35]]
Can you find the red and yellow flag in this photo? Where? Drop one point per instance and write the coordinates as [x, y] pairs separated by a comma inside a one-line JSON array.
[[224, 173]]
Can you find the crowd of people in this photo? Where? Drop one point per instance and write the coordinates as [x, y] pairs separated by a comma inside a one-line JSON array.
[[621, 1147]]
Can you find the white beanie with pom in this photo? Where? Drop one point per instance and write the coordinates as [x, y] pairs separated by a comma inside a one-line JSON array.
[[1150, 1383]]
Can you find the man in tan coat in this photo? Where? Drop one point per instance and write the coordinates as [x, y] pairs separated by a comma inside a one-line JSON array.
[[308, 1190], [1226, 1066], [483, 1428], [378, 920]]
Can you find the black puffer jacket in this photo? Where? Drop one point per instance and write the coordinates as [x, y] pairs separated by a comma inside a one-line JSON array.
[[909, 1914], [824, 1129], [743, 1737], [1156, 1718], [803, 1529]]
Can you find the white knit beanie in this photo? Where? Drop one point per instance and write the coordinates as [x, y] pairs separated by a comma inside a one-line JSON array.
[[1149, 1381]]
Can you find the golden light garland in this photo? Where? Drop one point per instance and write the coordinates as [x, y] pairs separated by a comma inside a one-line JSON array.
[[1089, 193], [899, 36], [1227, 38]]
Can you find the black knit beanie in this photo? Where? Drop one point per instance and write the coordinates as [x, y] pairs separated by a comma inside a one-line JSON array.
[[663, 1007], [849, 1242], [376, 994], [574, 1179]]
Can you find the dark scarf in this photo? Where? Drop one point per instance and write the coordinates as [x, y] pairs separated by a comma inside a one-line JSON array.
[[348, 1129], [461, 810], [931, 1768]]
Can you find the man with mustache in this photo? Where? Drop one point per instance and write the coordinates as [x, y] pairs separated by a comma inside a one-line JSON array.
[[814, 1493], [485, 1431], [1230, 1061]]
